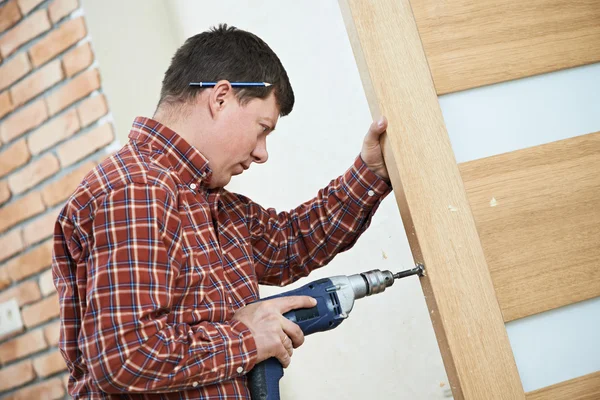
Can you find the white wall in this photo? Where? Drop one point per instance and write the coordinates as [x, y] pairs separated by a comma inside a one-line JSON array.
[[133, 42], [387, 348]]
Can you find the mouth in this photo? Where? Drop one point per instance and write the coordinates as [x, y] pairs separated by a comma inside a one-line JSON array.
[[238, 169]]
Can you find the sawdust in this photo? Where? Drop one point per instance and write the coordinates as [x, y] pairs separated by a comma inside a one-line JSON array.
[[493, 202]]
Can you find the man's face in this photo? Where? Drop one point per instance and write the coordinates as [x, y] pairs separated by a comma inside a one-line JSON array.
[[238, 136]]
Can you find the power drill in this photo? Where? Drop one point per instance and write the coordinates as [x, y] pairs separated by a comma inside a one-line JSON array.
[[335, 298]]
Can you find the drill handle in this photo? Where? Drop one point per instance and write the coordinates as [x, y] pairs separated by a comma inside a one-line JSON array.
[[264, 378]]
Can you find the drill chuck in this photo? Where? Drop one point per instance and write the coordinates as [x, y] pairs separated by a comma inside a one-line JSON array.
[[377, 281]]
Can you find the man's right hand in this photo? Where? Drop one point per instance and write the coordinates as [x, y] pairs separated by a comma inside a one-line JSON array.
[[274, 335]]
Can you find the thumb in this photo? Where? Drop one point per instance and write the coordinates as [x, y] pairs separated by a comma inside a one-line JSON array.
[[375, 131]]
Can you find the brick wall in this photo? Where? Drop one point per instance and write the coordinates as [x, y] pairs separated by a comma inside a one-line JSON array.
[[54, 127]]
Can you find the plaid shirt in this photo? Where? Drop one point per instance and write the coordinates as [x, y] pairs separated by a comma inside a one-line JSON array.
[[151, 265]]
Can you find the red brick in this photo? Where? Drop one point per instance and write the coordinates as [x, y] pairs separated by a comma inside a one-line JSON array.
[[14, 156], [49, 364], [36, 83], [9, 15], [78, 59], [20, 210], [47, 283], [76, 89], [40, 228], [10, 244], [57, 41], [16, 375], [51, 389], [52, 333], [59, 9], [61, 189], [23, 120], [53, 132], [22, 346], [4, 192], [25, 293], [30, 263], [83, 145], [31, 27], [41, 311], [5, 104], [34, 173], [11, 71], [4, 278], [28, 5], [91, 109]]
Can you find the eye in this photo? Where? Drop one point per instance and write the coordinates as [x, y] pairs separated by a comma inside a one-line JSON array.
[[266, 128]]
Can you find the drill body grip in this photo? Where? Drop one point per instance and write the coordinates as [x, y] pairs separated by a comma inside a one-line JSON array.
[[326, 315]]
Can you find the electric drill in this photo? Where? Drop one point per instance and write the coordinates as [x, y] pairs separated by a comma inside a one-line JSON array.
[[335, 298]]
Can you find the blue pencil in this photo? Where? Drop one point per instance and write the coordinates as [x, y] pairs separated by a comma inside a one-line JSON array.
[[234, 84]]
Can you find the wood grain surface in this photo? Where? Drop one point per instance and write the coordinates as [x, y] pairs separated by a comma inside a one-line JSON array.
[[537, 211], [471, 43], [583, 388], [432, 201]]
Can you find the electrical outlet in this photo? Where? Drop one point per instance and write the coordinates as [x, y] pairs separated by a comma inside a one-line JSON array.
[[10, 317]]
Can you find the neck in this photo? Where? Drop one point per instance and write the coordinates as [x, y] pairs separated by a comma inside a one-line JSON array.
[[186, 124]]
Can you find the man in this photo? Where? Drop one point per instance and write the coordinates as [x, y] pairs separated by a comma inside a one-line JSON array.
[[157, 266]]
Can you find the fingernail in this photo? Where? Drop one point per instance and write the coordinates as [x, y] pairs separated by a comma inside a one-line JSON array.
[[381, 122], [314, 301]]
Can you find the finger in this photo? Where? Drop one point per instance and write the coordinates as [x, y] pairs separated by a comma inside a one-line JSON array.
[[375, 131], [287, 343], [285, 304], [283, 356], [292, 331]]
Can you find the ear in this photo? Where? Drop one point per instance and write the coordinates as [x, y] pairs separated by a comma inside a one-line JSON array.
[[220, 96]]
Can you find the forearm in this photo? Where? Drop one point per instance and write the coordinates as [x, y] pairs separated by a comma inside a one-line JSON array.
[[175, 358], [309, 236]]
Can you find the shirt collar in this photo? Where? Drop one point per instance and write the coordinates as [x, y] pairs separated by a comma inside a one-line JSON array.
[[184, 159]]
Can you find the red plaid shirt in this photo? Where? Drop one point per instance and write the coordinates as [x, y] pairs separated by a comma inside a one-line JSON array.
[[150, 266]]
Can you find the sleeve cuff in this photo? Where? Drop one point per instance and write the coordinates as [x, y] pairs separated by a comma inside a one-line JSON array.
[[363, 186], [239, 355]]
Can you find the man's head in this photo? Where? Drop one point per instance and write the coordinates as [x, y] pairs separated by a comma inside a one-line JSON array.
[[228, 125]]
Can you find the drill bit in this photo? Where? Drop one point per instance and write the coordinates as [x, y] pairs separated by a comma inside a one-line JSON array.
[[418, 270]]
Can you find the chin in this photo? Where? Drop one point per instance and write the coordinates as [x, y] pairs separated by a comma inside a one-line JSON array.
[[220, 182]]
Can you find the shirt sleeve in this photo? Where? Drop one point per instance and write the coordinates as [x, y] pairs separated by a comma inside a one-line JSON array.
[[289, 245], [128, 343]]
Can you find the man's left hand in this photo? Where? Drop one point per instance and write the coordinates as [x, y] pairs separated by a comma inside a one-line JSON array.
[[371, 152]]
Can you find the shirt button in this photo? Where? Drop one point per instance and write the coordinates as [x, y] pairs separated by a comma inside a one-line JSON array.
[[195, 384], [240, 370], [230, 300], [193, 186], [371, 193]]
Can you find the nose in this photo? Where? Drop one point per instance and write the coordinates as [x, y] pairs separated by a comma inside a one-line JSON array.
[[260, 154]]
